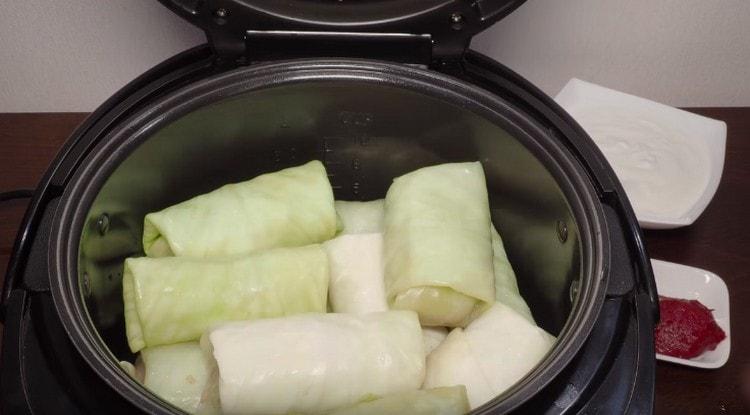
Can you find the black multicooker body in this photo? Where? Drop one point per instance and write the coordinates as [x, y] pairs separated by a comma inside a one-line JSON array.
[[374, 89]]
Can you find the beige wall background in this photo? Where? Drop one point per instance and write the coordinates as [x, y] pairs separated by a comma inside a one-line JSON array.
[[70, 55]]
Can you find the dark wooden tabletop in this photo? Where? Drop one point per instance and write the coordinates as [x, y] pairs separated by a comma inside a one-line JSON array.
[[719, 241]]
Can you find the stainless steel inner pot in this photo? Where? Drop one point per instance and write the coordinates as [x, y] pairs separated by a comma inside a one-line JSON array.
[[368, 122]]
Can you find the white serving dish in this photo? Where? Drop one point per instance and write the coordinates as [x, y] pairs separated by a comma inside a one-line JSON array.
[[705, 133], [682, 281]]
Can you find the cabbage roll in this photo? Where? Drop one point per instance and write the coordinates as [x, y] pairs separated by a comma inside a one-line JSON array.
[[291, 207], [494, 352], [181, 375], [506, 285], [361, 217], [175, 299], [439, 401], [314, 363], [433, 336], [356, 282], [437, 244]]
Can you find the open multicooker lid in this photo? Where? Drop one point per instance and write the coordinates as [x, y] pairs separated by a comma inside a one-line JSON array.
[[402, 30]]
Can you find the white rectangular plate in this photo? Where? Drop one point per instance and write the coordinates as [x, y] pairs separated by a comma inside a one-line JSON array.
[[579, 98], [682, 281]]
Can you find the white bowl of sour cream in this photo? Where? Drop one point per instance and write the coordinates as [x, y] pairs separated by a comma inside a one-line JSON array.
[[668, 160]]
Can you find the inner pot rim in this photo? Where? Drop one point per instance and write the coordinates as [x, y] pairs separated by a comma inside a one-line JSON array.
[[118, 144]]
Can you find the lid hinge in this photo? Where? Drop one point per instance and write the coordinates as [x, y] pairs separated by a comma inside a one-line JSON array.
[[281, 44]]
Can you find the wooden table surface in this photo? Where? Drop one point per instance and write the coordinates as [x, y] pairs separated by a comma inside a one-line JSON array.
[[719, 241]]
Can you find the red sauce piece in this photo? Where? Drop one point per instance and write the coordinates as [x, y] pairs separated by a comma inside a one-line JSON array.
[[687, 328]]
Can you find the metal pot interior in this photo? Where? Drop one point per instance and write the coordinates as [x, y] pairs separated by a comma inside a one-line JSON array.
[[367, 130]]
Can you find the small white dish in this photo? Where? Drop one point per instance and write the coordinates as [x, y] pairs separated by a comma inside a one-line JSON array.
[[682, 281], [704, 137]]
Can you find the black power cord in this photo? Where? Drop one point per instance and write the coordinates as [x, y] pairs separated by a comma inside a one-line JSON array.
[[16, 194]]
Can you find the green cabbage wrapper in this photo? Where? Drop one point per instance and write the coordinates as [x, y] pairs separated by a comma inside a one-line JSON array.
[[181, 374], [506, 285], [175, 299], [437, 244], [438, 401], [291, 207], [360, 217]]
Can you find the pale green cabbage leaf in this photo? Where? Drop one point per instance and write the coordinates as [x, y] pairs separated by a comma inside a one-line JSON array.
[[181, 374], [506, 285], [360, 217], [290, 207], [356, 283], [493, 353], [438, 401], [437, 244], [314, 363], [174, 299]]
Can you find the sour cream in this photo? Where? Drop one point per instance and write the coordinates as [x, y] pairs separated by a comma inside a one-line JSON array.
[[663, 172]]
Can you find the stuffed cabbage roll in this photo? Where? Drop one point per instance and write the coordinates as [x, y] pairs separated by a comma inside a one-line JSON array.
[[506, 285], [291, 207], [181, 374], [314, 363], [356, 283], [361, 217], [494, 352], [175, 299], [439, 401], [437, 244]]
